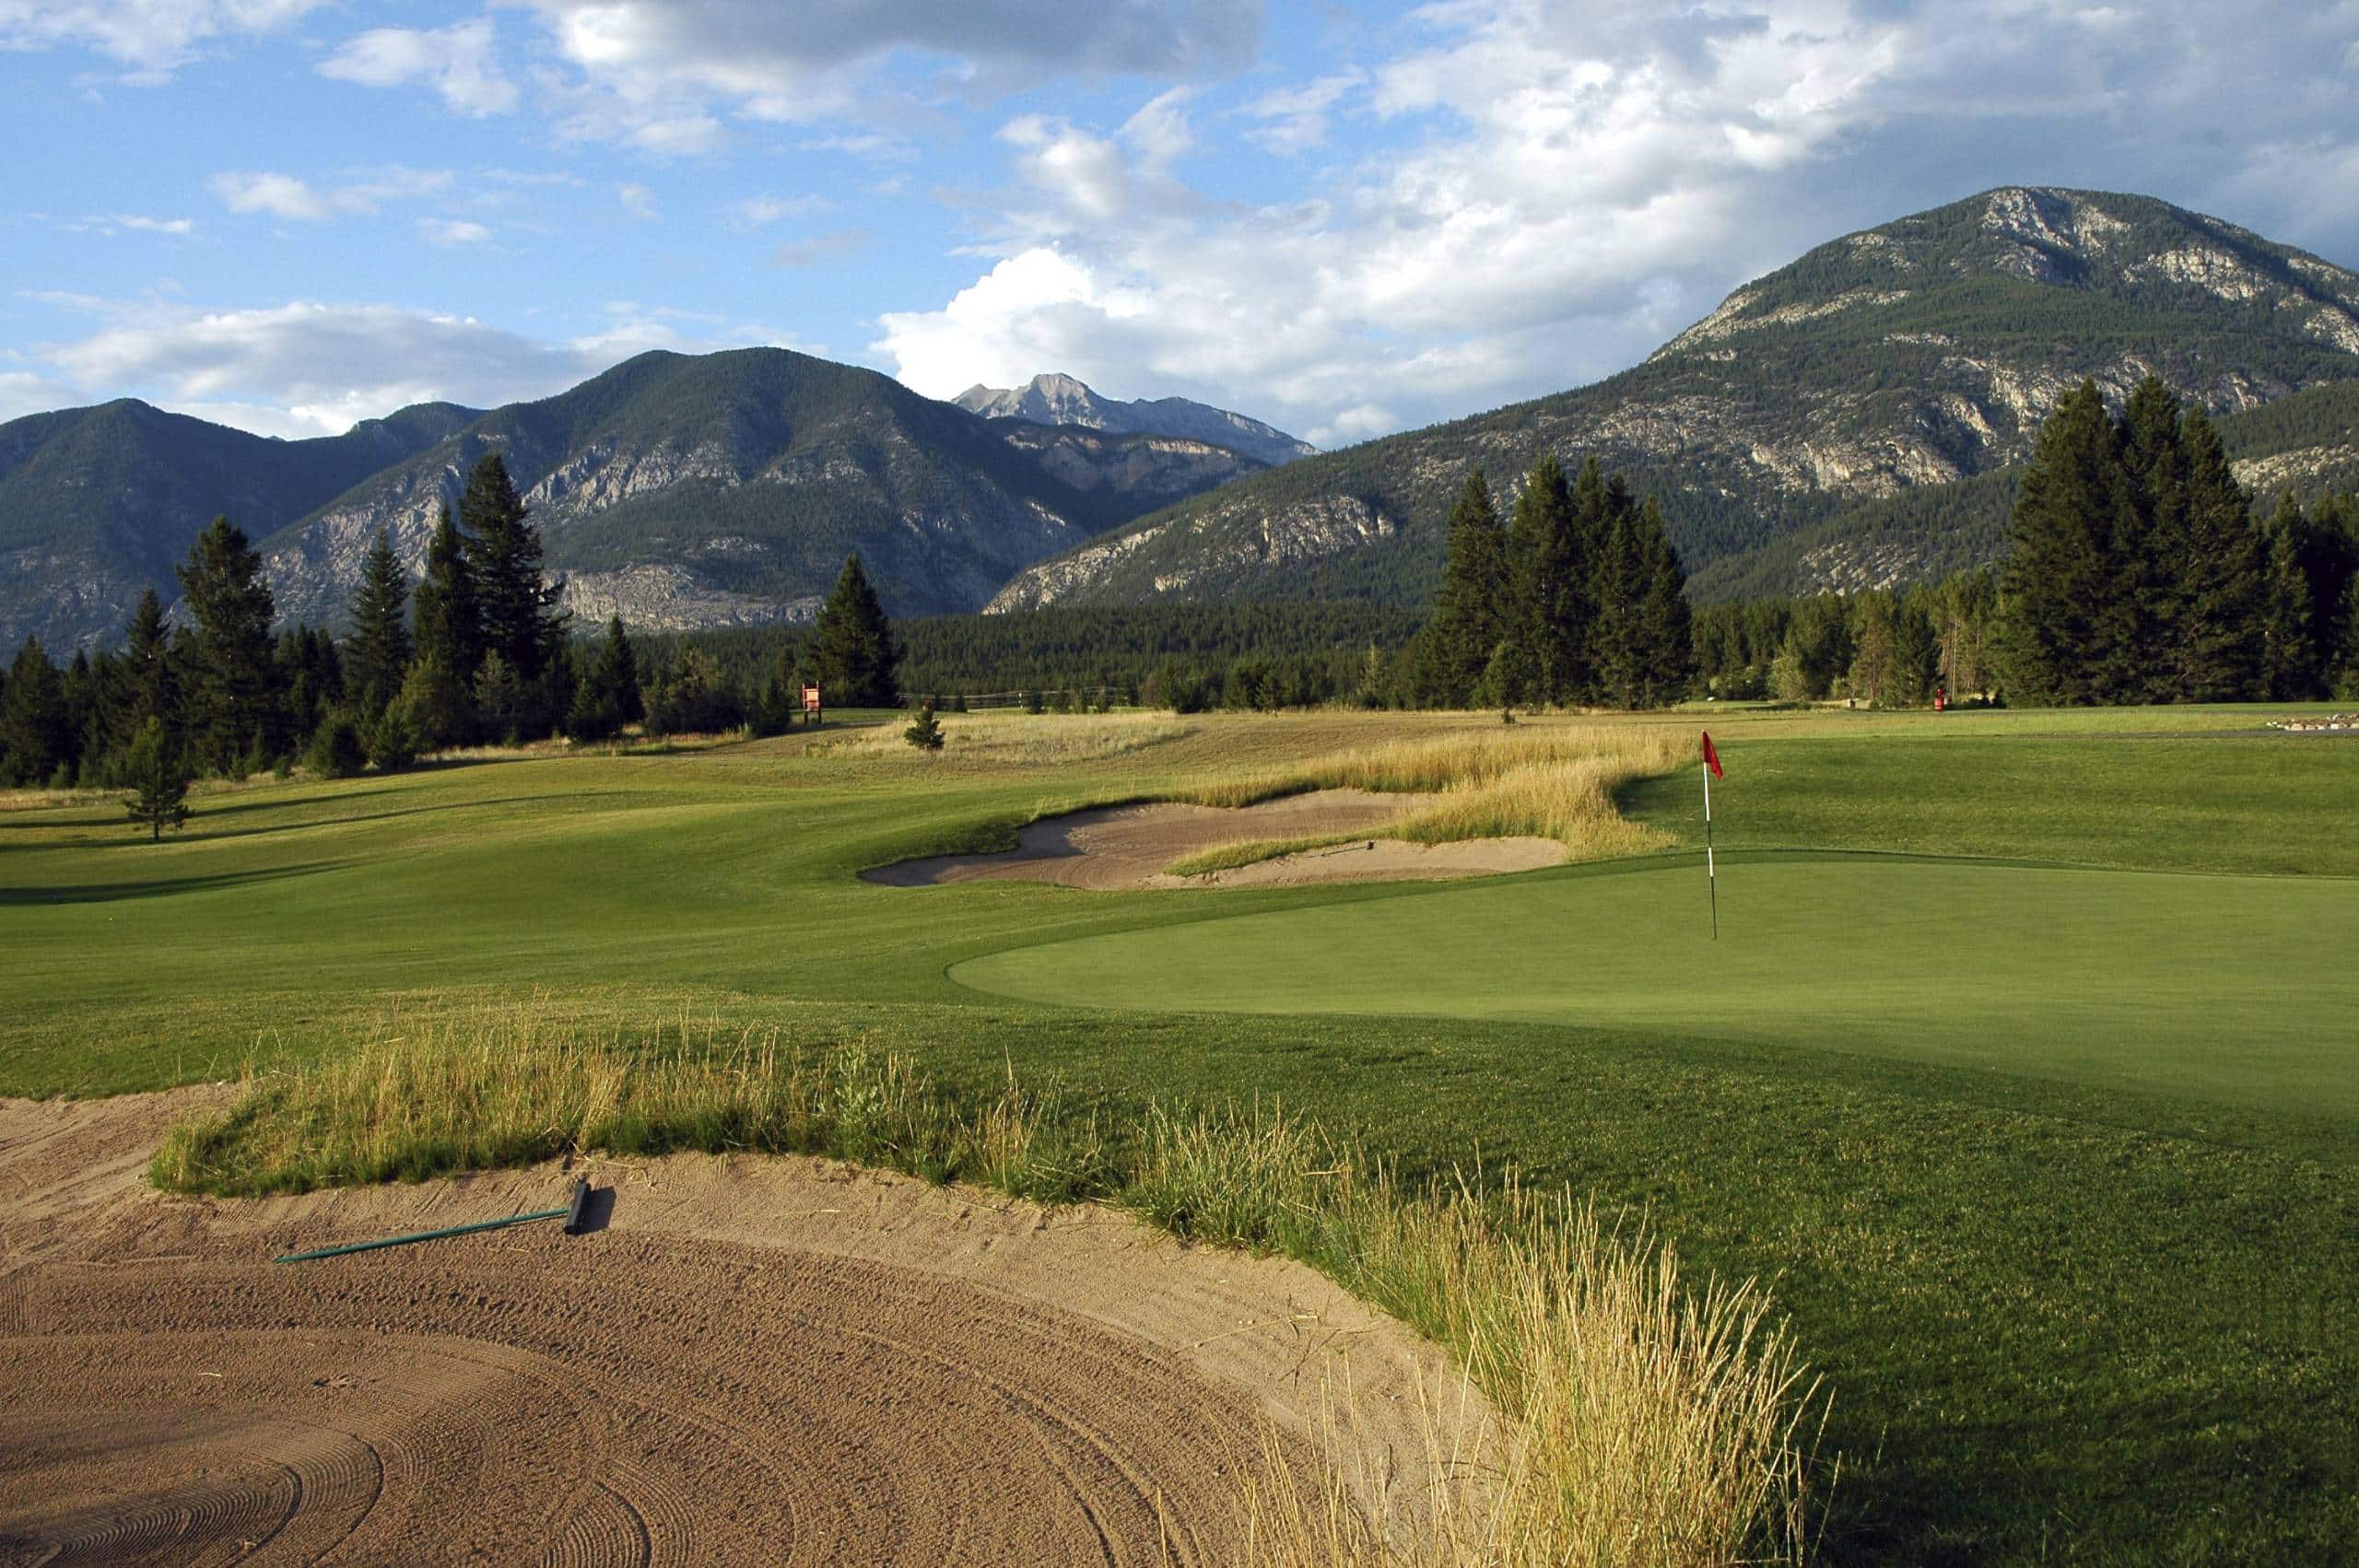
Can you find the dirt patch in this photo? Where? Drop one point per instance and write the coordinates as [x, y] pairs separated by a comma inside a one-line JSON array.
[[758, 1360], [1123, 848]]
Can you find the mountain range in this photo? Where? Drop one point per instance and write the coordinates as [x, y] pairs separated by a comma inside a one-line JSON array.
[[1852, 419], [677, 491], [1060, 400], [1864, 398]]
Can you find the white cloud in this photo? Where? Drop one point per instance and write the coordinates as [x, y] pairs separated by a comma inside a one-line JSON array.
[[313, 367], [114, 223], [1295, 119], [453, 233], [660, 72], [297, 201], [637, 199], [756, 212], [456, 61], [152, 35], [22, 392]]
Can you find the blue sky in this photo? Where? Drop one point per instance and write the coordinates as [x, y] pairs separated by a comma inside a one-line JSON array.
[[289, 214]]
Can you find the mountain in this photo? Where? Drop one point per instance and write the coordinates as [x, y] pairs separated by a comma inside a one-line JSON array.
[[724, 489], [1919, 354], [678, 491], [2305, 444], [1060, 400], [97, 504]]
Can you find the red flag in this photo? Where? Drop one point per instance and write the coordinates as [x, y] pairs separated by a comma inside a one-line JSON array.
[[1711, 758]]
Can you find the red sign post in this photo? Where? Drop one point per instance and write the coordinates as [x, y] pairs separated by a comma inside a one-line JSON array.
[[811, 703]]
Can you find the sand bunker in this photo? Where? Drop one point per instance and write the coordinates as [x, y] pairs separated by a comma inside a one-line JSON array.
[[1128, 846], [773, 1360]]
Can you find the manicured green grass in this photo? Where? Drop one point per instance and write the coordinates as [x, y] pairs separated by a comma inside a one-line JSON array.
[[2211, 988], [2073, 1303]]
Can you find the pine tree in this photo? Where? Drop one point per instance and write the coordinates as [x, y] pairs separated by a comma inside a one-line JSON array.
[[855, 653], [159, 779], [378, 651], [925, 731], [1666, 624], [150, 681], [1468, 607], [35, 734], [449, 626], [504, 552], [1549, 591], [2069, 620], [2217, 574], [435, 704], [2292, 656], [1873, 643], [233, 689], [607, 698], [1618, 588]]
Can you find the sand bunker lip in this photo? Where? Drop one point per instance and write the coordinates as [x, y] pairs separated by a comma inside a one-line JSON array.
[[1118, 848], [760, 1360]]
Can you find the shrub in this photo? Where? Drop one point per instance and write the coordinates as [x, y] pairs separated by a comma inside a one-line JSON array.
[[391, 742], [335, 750], [925, 731]]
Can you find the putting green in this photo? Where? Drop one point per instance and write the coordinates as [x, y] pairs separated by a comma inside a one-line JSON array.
[[2233, 989]]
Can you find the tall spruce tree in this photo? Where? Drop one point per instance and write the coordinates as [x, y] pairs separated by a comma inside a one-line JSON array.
[[1618, 655], [36, 733], [377, 654], [2068, 617], [1666, 627], [1471, 604], [514, 605], [1549, 573], [2216, 571], [856, 657], [151, 688], [450, 624], [235, 719], [2293, 656]]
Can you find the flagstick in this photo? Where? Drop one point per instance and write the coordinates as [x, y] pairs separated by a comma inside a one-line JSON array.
[[1711, 868]]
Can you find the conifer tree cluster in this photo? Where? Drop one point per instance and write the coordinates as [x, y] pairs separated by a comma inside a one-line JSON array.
[[1581, 599], [2137, 571]]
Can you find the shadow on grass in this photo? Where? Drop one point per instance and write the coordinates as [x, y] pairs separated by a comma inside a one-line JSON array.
[[161, 887]]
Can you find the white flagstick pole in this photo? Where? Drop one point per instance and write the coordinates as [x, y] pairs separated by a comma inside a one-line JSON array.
[[1711, 868]]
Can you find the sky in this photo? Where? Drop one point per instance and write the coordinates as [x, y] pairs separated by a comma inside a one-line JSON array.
[[292, 214]]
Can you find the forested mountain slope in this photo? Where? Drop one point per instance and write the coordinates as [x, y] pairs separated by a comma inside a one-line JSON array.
[[1920, 353], [97, 503]]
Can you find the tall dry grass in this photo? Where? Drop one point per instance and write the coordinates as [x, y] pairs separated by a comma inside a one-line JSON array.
[[1637, 1418], [1555, 782], [1016, 737]]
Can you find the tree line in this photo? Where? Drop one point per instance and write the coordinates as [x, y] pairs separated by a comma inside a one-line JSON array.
[[478, 651]]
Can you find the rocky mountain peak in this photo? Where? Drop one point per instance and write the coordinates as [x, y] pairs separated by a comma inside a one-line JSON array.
[[1054, 398]]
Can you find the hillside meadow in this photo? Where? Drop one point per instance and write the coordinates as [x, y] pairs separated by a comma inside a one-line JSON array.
[[2021, 1074]]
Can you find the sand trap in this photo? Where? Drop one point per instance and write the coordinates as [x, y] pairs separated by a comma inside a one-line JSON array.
[[1127, 846], [773, 1360]]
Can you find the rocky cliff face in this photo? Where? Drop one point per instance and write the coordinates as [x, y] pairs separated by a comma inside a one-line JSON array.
[[1917, 355], [1060, 400]]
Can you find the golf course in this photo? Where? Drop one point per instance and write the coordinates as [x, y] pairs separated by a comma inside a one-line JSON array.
[[2015, 1054]]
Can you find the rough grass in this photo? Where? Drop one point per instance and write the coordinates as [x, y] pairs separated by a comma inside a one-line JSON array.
[[1557, 782], [1017, 737], [1252, 851], [1640, 1421]]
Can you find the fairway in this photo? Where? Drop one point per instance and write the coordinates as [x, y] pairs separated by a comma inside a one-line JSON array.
[[2207, 987]]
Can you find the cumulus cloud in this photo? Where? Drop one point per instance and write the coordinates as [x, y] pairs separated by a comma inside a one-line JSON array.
[[299, 201], [658, 72], [1560, 188], [151, 36], [314, 367], [457, 62]]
